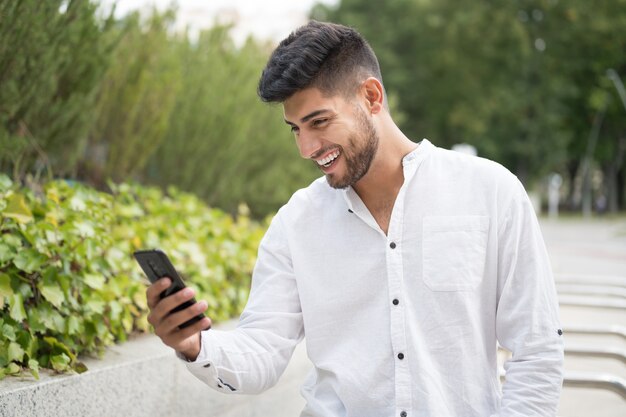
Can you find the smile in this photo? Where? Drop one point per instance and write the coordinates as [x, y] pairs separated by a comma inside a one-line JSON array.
[[325, 162]]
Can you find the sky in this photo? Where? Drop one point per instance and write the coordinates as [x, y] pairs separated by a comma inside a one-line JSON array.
[[265, 19]]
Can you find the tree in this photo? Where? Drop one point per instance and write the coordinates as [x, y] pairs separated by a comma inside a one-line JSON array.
[[52, 57], [516, 79]]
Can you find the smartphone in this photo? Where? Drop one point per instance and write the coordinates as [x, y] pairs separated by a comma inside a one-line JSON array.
[[157, 265]]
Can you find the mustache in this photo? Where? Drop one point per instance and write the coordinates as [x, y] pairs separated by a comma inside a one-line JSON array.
[[324, 150]]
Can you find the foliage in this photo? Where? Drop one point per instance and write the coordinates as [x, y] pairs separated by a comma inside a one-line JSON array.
[[98, 99], [135, 98], [52, 57], [223, 144], [520, 80], [68, 282]]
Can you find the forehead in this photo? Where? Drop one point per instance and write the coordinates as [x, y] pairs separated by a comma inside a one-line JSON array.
[[306, 101]]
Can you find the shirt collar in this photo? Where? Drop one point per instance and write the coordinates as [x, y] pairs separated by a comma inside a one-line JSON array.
[[410, 162]]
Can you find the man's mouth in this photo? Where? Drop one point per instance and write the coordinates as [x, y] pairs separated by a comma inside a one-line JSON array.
[[329, 159]]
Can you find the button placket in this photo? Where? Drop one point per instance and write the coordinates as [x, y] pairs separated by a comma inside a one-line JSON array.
[[395, 274]]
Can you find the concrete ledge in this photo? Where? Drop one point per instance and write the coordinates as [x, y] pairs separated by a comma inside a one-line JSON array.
[[142, 377]]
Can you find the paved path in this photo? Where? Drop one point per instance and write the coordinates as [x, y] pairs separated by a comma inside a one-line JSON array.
[[592, 250]]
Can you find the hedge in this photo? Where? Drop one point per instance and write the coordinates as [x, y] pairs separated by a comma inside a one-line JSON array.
[[69, 285]]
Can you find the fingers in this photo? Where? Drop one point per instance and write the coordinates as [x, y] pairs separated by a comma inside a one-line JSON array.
[[179, 339], [153, 293], [172, 321], [203, 324], [164, 306], [166, 323]]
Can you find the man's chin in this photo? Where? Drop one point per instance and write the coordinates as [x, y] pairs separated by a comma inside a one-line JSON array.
[[335, 182]]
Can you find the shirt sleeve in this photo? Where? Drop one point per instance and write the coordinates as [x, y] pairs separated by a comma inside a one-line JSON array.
[[251, 358], [527, 321]]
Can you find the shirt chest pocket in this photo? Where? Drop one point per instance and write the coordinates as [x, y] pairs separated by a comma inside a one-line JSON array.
[[454, 249]]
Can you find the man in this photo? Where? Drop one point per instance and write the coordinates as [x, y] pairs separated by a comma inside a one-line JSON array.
[[403, 266]]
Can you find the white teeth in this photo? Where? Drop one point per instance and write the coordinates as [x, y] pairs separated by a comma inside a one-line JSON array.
[[330, 158]]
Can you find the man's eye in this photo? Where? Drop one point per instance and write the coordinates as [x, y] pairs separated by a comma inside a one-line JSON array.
[[319, 122], [294, 129]]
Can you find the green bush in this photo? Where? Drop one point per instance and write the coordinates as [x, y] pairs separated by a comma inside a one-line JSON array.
[[53, 55], [69, 284]]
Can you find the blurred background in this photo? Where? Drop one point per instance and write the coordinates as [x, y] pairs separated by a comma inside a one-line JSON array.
[[98, 94], [165, 93]]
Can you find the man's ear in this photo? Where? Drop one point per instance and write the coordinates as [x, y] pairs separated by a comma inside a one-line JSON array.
[[374, 94]]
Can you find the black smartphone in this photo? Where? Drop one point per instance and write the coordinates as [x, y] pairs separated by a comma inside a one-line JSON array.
[[157, 265]]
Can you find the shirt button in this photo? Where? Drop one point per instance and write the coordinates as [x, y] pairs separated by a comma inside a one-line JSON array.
[[403, 414], [392, 245], [400, 356], [395, 301]]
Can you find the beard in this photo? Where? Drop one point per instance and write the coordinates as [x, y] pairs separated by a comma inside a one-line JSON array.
[[362, 147]]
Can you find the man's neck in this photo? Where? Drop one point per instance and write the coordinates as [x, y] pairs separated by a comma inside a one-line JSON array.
[[379, 188]]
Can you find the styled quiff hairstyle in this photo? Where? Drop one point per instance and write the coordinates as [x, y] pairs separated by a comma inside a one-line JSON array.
[[333, 58]]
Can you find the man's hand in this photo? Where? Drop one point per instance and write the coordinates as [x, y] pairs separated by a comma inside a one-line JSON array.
[[187, 340]]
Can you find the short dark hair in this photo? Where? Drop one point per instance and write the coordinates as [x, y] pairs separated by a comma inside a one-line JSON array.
[[331, 57]]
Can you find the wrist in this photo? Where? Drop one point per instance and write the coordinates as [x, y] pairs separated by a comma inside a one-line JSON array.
[[191, 353]]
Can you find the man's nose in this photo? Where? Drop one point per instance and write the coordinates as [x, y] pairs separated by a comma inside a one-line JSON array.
[[308, 144]]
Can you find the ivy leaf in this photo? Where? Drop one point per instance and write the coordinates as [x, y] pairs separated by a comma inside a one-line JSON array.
[[60, 362], [29, 260], [44, 317], [13, 369], [80, 367], [17, 311], [73, 325], [94, 281], [25, 339], [54, 294], [84, 229], [57, 346], [9, 332], [5, 182], [17, 209], [95, 306], [12, 241], [6, 254], [5, 288], [15, 352], [33, 365]]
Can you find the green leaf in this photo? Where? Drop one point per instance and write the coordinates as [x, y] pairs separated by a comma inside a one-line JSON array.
[[5, 288], [95, 306], [44, 318], [73, 325], [94, 281], [84, 229], [54, 294], [17, 209], [29, 260], [57, 346], [16, 304], [80, 367], [60, 362], [33, 365], [77, 203], [9, 332], [15, 352], [13, 369], [115, 309], [5, 182], [6, 254], [25, 339]]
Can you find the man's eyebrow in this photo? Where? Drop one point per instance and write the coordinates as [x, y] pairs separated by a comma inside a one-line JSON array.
[[309, 116]]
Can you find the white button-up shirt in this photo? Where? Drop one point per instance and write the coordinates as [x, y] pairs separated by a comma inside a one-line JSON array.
[[403, 324]]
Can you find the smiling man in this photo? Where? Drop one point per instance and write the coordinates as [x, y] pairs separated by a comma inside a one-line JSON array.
[[404, 265]]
